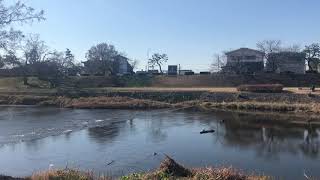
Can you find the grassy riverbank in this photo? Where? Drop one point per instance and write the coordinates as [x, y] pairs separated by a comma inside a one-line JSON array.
[[168, 169], [292, 100], [199, 100]]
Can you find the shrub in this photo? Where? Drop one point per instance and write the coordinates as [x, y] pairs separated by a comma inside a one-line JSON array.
[[270, 88]]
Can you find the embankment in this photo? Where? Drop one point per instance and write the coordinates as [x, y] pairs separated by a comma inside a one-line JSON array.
[[199, 100]]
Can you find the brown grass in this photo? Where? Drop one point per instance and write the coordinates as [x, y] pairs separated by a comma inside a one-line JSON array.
[[263, 106], [66, 174], [169, 169], [270, 88], [114, 103]]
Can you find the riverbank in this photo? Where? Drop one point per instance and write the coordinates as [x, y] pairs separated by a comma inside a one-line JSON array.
[[200, 99], [168, 169]]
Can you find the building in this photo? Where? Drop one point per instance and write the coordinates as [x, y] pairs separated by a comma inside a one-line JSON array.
[[122, 65], [184, 72], [172, 70], [286, 62], [244, 60]]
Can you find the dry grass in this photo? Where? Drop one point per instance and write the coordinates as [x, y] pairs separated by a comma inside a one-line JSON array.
[[263, 106], [169, 89], [224, 174], [169, 169], [270, 88], [296, 90], [302, 90], [66, 174], [113, 103]]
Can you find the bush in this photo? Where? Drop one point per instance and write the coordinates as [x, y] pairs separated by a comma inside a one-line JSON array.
[[270, 88], [133, 81]]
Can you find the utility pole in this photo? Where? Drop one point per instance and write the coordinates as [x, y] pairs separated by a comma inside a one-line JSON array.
[[218, 63], [148, 54]]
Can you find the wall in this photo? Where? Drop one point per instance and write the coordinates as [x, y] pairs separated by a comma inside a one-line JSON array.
[[232, 80]]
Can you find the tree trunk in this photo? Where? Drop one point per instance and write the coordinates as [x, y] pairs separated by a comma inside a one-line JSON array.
[[25, 80], [25, 76], [309, 65], [160, 68]]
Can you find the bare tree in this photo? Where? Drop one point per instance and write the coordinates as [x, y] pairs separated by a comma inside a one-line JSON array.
[[46, 64], [312, 56], [134, 64], [269, 46], [219, 61], [35, 50], [292, 48], [101, 58], [158, 60], [70, 67], [16, 13]]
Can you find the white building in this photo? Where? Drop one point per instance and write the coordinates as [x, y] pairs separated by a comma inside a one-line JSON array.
[[245, 60]]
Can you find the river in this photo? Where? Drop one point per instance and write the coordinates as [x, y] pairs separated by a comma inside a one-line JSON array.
[[118, 142]]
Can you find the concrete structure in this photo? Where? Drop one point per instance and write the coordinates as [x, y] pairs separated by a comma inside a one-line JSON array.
[[287, 62], [244, 60]]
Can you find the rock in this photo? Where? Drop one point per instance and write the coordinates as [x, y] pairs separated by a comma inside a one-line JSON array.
[[169, 166]]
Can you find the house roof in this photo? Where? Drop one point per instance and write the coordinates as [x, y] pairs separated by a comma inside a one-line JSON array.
[[244, 49]]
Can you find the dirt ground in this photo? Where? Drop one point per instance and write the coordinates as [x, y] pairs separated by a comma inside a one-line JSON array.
[[304, 90]]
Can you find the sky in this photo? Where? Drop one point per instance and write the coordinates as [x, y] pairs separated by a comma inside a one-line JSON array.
[[189, 31]]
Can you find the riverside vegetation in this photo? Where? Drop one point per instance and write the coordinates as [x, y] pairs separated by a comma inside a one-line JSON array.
[[200, 100], [168, 169]]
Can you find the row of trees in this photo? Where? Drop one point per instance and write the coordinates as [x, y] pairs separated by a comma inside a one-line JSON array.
[[29, 55], [268, 47], [311, 51]]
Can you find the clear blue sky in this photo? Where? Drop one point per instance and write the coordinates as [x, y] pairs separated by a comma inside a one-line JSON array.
[[189, 31]]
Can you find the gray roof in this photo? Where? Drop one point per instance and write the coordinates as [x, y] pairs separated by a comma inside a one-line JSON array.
[[248, 49]]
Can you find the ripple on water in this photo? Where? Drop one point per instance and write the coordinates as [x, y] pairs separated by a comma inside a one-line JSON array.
[[67, 131]]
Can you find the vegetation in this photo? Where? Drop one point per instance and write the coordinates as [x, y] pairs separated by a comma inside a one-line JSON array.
[[134, 81], [313, 56], [100, 59], [270, 88], [168, 170], [16, 13], [158, 60], [261, 106]]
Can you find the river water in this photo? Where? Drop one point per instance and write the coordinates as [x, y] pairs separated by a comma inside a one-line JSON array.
[[118, 142]]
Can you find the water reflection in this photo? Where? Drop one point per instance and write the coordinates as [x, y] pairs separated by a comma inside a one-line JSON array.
[[247, 141], [269, 140], [107, 133], [311, 144]]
